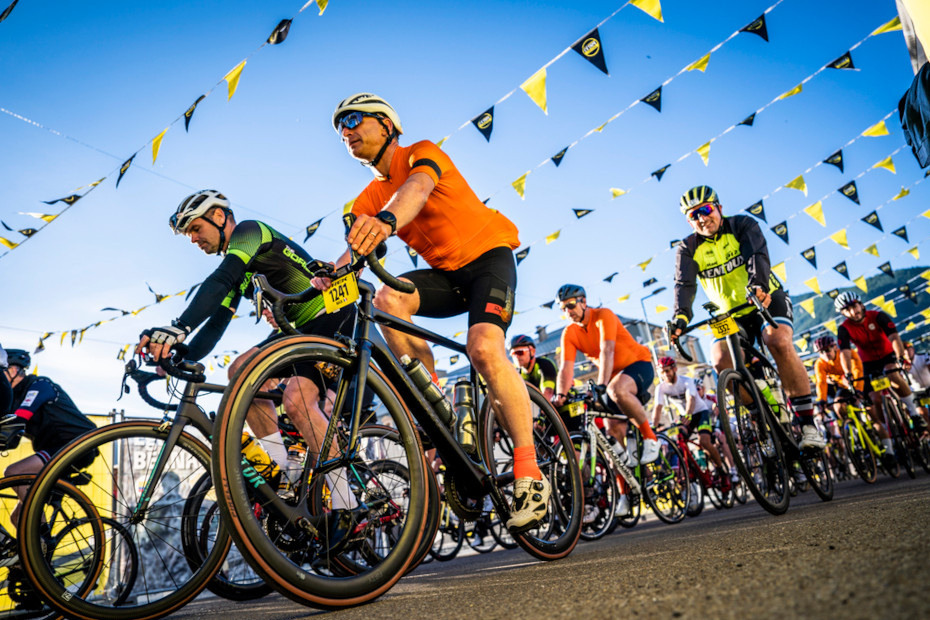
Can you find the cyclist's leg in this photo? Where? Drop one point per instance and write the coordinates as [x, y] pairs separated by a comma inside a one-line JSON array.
[[706, 440], [32, 464], [904, 392], [629, 389], [262, 417]]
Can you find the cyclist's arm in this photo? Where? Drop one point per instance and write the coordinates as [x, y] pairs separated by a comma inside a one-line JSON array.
[[752, 243], [686, 271], [39, 393], [656, 413], [858, 370], [213, 291], [566, 366], [549, 374], [605, 362], [820, 380], [207, 336]]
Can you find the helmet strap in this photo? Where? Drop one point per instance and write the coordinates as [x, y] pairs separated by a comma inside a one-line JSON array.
[[392, 133], [222, 249]]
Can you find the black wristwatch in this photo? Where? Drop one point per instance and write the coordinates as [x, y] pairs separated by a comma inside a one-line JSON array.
[[388, 218]]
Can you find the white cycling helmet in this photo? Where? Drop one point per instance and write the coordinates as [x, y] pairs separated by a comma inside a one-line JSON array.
[[194, 206], [844, 299], [366, 102]]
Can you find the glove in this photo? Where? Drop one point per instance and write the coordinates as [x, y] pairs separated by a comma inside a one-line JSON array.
[[849, 381], [678, 323], [169, 335]]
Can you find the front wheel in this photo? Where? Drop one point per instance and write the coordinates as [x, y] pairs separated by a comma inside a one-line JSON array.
[[600, 487], [666, 483], [819, 474], [899, 438], [756, 448]]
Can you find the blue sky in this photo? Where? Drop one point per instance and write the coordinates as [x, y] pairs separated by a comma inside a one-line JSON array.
[[112, 75]]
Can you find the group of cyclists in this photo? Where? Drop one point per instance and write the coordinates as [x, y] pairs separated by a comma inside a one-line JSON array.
[[418, 195]]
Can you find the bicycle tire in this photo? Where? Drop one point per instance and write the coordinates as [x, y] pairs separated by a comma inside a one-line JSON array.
[[666, 483], [899, 438], [819, 474], [557, 536], [696, 499], [740, 491], [198, 534], [600, 486], [479, 536], [311, 581], [449, 538], [499, 529], [157, 534], [757, 451]]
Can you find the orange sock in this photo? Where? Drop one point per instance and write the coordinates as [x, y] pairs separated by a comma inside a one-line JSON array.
[[645, 430], [524, 463]]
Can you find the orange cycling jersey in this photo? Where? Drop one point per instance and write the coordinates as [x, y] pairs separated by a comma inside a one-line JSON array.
[[834, 370], [602, 325], [454, 227]]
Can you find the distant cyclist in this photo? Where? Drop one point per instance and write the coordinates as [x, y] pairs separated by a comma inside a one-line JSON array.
[[880, 347], [727, 254], [829, 377], [540, 371], [624, 367]]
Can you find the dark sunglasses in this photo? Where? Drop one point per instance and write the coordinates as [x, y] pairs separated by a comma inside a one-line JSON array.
[[702, 211], [569, 306], [352, 120]]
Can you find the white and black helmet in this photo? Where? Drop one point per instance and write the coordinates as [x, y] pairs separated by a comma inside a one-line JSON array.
[[194, 206], [844, 299], [366, 102]]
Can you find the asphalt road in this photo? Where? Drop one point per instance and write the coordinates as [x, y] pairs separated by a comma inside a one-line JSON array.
[[863, 555]]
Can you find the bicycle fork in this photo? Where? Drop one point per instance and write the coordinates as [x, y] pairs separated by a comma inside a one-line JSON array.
[[627, 473]]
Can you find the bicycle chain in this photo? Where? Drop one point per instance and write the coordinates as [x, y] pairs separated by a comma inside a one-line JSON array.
[[464, 509]]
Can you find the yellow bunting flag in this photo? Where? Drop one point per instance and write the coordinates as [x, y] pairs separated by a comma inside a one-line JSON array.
[[232, 79], [926, 214], [699, 65], [887, 164], [553, 237], [861, 283], [48, 218], [878, 129], [644, 264], [813, 285], [801, 343], [156, 144], [925, 313], [911, 325], [535, 88], [652, 8], [348, 206], [872, 249], [8, 243], [904, 192], [616, 191], [439, 144], [779, 270], [520, 185], [704, 152], [808, 304], [791, 93], [887, 306], [816, 212], [914, 252], [623, 298], [601, 128], [660, 309], [830, 326], [840, 237], [457, 334], [798, 184], [321, 4], [891, 26]]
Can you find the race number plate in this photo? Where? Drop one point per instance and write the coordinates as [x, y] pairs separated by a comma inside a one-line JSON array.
[[881, 384], [574, 409], [341, 292], [724, 327]]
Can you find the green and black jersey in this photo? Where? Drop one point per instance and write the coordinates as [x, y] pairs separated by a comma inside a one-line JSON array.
[[724, 264], [542, 374], [254, 248]]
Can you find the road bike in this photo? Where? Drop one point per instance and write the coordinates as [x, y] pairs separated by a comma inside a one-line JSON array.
[[863, 446], [908, 447], [716, 486]]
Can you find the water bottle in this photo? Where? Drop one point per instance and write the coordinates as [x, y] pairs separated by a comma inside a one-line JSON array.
[[431, 391], [776, 403], [465, 427], [702, 459], [258, 458], [295, 463]]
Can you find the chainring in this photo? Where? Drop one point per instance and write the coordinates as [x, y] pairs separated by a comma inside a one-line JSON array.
[[466, 509]]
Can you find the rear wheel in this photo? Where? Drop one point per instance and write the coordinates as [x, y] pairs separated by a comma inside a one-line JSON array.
[[899, 437], [756, 448], [600, 487], [666, 484], [819, 475]]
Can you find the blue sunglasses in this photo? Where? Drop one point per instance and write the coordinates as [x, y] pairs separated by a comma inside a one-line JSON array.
[[352, 120], [702, 211]]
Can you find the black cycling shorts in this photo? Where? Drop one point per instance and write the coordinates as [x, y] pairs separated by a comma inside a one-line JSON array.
[[875, 370], [838, 394], [699, 421], [780, 309], [642, 373], [484, 288]]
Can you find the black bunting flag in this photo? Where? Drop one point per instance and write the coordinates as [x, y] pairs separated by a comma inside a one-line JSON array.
[[557, 158], [522, 254], [757, 27], [454, 359], [901, 232], [41, 346], [843, 62], [886, 269], [835, 160], [841, 269], [590, 48], [611, 277], [650, 282], [190, 112], [191, 291], [312, 228], [412, 254], [872, 219], [833, 294], [7, 11], [68, 200], [124, 168], [548, 305], [27, 232], [781, 230], [811, 255], [580, 213], [5, 226], [905, 290], [108, 308], [749, 120], [74, 334], [654, 99], [658, 173], [484, 122], [674, 243], [851, 191], [158, 297], [757, 210], [280, 32]]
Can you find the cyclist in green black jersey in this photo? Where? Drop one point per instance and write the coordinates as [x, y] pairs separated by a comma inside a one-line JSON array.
[[250, 247], [540, 371], [727, 254]]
